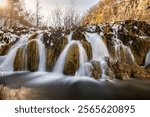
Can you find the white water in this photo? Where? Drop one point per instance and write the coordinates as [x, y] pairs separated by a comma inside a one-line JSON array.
[[7, 63], [103, 66], [147, 61], [59, 66], [126, 50], [69, 36], [8, 60], [85, 69], [42, 54], [99, 51], [99, 48]]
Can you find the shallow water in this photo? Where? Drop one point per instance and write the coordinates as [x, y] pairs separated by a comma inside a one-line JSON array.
[[43, 85]]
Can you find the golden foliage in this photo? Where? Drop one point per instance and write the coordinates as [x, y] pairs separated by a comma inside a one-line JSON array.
[[118, 10]]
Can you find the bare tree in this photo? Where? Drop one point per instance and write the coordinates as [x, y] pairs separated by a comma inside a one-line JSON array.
[[38, 17], [66, 19], [71, 19], [56, 17]]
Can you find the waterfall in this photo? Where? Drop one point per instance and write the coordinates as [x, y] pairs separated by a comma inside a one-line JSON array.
[[85, 69], [59, 66], [69, 36], [42, 54], [103, 66], [126, 50], [7, 63], [147, 61], [8, 60], [99, 51], [99, 48]]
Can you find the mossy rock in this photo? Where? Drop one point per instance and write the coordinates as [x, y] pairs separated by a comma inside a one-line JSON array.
[[33, 36], [122, 76], [50, 59], [88, 48], [96, 71], [18, 63], [4, 49], [72, 60], [124, 71], [32, 56], [78, 35]]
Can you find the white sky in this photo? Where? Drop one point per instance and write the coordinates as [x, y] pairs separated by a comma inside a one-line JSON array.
[[49, 5], [2, 3]]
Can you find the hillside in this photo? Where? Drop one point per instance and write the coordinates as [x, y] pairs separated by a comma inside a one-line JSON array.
[[118, 10]]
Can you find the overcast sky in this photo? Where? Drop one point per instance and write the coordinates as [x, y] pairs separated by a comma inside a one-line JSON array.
[[49, 5]]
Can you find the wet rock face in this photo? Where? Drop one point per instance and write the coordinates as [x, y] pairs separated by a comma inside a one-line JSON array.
[[96, 71], [19, 60], [72, 60], [78, 35], [33, 36], [127, 35], [32, 56], [124, 71], [7, 40], [88, 48]]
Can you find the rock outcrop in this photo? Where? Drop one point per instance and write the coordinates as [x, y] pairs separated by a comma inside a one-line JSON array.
[[118, 10]]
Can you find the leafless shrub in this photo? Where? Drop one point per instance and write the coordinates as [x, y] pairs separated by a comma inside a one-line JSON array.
[[65, 19]]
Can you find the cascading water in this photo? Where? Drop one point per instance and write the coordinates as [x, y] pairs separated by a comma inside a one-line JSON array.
[[59, 66], [125, 49], [99, 51], [69, 36], [99, 48], [118, 44], [42, 56], [85, 69], [7, 63], [147, 61], [8, 60]]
